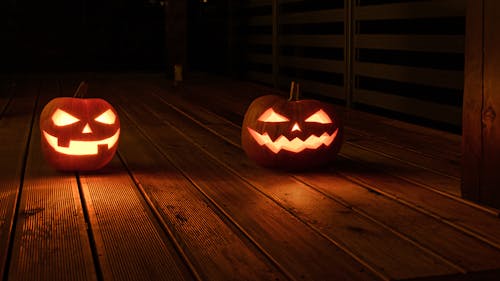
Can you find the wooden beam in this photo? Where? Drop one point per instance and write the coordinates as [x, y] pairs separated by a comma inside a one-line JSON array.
[[481, 128]]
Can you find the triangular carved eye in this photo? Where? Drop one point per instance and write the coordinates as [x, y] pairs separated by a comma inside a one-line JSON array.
[[319, 117], [62, 118], [271, 116], [108, 117]]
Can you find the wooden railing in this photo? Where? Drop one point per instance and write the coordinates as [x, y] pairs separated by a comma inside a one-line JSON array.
[[404, 57]]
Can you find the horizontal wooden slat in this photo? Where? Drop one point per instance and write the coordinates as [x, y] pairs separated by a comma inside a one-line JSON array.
[[411, 10], [324, 89], [423, 76], [428, 110], [419, 43], [312, 64], [260, 20], [324, 41], [331, 15]]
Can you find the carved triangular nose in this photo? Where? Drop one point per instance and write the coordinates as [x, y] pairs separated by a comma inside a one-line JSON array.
[[86, 129], [296, 127]]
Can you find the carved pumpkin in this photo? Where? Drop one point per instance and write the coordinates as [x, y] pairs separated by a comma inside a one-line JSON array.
[[291, 134], [79, 134]]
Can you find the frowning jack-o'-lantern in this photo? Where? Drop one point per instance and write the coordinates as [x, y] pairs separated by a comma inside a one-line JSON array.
[[291, 134], [79, 134]]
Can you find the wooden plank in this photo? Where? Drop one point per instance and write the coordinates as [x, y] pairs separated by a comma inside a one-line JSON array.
[[489, 191], [417, 75], [437, 112], [424, 161], [51, 240], [298, 198], [406, 171], [212, 243], [320, 41], [413, 42], [312, 64], [321, 16], [471, 220], [472, 127], [468, 252], [15, 128], [284, 237], [120, 219], [411, 10], [426, 141]]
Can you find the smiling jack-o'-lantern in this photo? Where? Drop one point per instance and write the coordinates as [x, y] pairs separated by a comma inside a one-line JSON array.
[[79, 134], [291, 134]]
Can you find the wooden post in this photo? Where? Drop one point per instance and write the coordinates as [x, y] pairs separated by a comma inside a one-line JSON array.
[[481, 128], [176, 37]]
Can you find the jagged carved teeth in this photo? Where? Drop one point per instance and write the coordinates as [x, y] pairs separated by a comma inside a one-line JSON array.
[[295, 145]]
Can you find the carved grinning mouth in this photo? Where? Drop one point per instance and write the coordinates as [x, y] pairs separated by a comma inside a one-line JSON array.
[[296, 145], [81, 147]]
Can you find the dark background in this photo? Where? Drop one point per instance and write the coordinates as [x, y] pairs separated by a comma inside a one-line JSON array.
[[105, 35]]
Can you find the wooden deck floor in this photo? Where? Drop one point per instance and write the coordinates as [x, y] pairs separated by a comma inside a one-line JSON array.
[[180, 201]]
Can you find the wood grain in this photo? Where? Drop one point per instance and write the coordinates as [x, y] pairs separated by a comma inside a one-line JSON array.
[[337, 224], [285, 238], [489, 192], [15, 127], [216, 247]]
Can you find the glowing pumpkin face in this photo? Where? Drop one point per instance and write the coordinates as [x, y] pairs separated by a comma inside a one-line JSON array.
[[292, 135], [79, 134]]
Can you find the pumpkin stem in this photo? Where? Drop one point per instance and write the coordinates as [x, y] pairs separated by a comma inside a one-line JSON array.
[[82, 90], [294, 91]]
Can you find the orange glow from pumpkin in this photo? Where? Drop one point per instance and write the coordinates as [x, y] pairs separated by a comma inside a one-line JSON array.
[[62, 118], [81, 147], [319, 117], [271, 116], [296, 145]]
